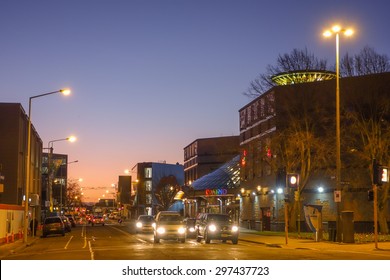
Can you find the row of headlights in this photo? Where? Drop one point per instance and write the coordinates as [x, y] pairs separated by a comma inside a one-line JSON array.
[[182, 230], [161, 230], [139, 225], [214, 228]]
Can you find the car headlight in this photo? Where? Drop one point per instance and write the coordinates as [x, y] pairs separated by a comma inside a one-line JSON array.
[[181, 230], [161, 230], [139, 225], [192, 229], [212, 228], [234, 228]]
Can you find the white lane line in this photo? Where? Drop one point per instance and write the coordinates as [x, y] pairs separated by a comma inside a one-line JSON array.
[[90, 250], [67, 244]]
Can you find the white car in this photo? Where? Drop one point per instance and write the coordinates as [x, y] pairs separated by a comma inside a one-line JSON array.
[[169, 225]]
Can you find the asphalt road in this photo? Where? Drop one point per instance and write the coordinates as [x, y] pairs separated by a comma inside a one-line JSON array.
[[120, 242]]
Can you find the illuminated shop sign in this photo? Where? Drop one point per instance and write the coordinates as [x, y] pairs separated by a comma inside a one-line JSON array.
[[216, 192]]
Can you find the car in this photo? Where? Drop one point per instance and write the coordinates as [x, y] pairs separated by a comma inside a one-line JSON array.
[[97, 220], [67, 224], [144, 223], [212, 226], [71, 220], [53, 225], [190, 227], [169, 226]]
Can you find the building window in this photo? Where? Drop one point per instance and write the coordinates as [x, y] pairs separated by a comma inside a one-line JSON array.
[[148, 172], [255, 110], [243, 119], [148, 186], [262, 107], [148, 198]]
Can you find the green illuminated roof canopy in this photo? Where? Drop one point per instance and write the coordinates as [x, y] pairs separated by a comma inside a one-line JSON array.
[[303, 76]]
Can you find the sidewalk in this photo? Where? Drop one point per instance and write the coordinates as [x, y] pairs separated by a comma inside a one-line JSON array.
[[279, 241], [7, 249]]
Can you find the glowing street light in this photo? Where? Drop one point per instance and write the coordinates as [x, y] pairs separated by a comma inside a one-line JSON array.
[[25, 226], [336, 29]]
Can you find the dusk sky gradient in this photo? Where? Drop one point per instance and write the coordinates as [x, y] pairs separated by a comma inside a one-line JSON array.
[[150, 77]]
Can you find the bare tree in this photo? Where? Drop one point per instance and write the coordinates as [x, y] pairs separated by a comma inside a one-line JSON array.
[[368, 118], [166, 191], [303, 145], [73, 193], [366, 62], [297, 60]]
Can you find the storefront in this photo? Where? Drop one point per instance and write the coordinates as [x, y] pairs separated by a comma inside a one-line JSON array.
[[216, 192]]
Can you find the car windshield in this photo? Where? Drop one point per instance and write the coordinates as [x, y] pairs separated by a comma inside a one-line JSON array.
[[219, 218], [146, 218], [170, 218]]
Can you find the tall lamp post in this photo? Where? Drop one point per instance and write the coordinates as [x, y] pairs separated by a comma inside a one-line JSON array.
[[347, 32], [25, 226]]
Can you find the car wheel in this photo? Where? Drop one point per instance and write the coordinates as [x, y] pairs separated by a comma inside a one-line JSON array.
[[206, 237], [198, 239], [102, 224], [63, 234], [235, 240], [182, 240], [156, 240], [93, 224]]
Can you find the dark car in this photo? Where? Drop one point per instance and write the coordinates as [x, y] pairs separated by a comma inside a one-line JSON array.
[[190, 227], [144, 223], [216, 227], [53, 225], [71, 220], [169, 225]]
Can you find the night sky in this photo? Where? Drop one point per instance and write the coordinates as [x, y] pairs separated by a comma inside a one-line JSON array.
[[150, 77]]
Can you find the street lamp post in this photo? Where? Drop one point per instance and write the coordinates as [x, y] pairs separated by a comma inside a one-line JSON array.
[[25, 226], [337, 30]]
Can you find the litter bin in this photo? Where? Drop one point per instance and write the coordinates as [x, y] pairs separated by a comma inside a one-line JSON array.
[[332, 231], [332, 234], [347, 227]]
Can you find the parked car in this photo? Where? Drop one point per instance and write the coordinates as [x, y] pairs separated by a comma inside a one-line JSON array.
[[144, 223], [190, 227], [216, 227], [67, 224], [71, 220], [98, 220], [53, 225], [169, 225]]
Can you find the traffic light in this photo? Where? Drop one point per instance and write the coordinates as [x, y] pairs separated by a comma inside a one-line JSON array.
[[380, 174], [292, 180]]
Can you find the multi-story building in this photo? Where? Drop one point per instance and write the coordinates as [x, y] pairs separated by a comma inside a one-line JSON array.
[[155, 186], [205, 155], [13, 156], [54, 183], [265, 121]]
